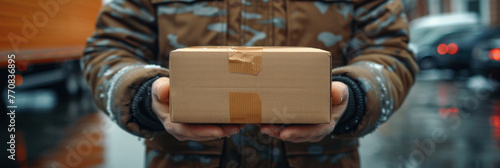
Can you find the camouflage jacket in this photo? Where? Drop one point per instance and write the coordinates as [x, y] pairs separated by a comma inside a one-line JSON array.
[[367, 38]]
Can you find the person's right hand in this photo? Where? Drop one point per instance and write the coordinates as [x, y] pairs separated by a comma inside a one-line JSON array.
[[198, 132]]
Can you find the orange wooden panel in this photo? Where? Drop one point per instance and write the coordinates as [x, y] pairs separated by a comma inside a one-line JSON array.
[[28, 26]]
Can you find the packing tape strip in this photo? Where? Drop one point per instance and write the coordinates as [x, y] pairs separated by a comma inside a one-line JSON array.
[[245, 107], [245, 60]]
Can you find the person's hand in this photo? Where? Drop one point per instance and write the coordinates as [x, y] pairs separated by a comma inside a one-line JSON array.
[[199, 132], [312, 132]]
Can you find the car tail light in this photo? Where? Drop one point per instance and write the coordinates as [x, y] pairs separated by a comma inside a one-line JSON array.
[[442, 49], [495, 54], [452, 48], [495, 121]]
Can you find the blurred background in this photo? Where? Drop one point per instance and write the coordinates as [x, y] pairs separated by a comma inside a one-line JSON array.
[[451, 118]]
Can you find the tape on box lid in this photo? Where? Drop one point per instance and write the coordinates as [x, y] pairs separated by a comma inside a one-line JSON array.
[[246, 60], [245, 107]]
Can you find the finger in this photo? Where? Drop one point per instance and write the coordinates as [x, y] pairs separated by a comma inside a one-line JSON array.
[[161, 89], [299, 139], [200, 138], [194, 131], [339, 92], [231, 129], [184, 137], [302, 140], [277, 128], [305, 131], [271, 130], [267, 131], [161, 111]]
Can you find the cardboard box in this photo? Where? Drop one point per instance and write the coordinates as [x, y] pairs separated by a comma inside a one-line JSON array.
[[281, 85]]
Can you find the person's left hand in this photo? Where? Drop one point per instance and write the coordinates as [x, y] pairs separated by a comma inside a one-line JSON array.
[[312, 132]]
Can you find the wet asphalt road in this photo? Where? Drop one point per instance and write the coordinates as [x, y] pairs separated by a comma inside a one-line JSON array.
[[443, 123]]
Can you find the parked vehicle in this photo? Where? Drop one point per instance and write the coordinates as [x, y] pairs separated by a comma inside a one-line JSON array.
[[428, 33], [437, 50], [455, 49], [486, 56]]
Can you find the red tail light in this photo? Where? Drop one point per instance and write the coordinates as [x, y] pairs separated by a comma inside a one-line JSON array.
[[495, 121], [442, 49], [495, 54], [452, 48]]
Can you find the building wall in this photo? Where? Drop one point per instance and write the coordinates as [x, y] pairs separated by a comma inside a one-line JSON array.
[[446, 6], [28, 24], [487, 10], [495, 14]]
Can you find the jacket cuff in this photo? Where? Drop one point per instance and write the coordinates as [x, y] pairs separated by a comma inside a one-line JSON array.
[[355, 107], [141, 108]]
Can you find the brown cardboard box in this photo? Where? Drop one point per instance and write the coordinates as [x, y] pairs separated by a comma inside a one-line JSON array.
[[250, 85]]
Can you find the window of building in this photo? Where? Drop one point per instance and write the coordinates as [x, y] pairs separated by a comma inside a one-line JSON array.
[[473, 6]]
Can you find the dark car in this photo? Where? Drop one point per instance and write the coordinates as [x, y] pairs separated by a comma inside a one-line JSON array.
[[458, 51], [486, 56], [440, 49]]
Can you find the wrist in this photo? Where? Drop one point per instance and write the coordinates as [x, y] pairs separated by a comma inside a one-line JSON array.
[[141, 107], [355, 109]]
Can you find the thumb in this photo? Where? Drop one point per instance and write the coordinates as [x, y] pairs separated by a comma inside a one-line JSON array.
[[340, 93], [161, 89]]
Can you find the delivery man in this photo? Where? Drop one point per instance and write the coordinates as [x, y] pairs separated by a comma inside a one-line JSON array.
[[126, 65]]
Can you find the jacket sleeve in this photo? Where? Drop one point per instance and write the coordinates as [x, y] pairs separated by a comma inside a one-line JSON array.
[[378, 62], [119, 59]]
